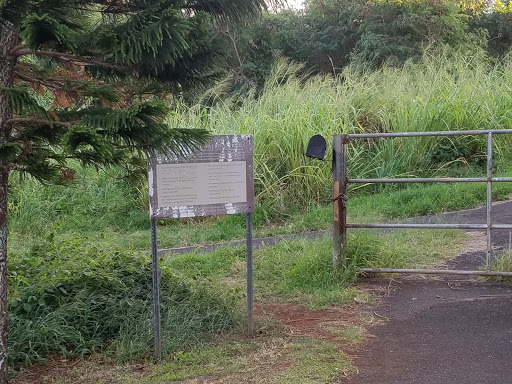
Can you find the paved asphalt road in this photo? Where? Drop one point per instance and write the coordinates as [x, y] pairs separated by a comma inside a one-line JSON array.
[[443, 330], [440, 335]]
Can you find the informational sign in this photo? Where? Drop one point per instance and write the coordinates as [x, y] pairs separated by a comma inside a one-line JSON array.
[[216, 180]]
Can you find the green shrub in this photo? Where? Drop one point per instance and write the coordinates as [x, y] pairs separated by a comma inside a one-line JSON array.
[[74, 299]]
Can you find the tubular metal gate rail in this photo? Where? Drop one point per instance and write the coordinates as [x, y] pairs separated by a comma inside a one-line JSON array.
[[341, 180]]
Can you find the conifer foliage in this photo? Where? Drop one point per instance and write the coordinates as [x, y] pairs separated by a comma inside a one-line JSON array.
[[90, 80]]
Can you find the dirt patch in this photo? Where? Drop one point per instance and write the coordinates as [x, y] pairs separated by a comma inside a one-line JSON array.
[[475, 242], [54, 366], [271, 355], [472, 255], [269, 358], [318, 324], [258, 364]]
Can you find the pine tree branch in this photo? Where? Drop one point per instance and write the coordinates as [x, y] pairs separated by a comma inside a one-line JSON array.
[[27, 120], [15, 50], [51, 85], [109, 10], [120, 146], [70, 58]]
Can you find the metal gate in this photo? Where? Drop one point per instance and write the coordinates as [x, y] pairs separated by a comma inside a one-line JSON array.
[[341, 180]]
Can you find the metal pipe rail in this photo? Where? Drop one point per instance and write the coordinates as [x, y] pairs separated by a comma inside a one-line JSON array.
[[427, 226], [436, 272], [434, 133], [432, 180], [341, 180]]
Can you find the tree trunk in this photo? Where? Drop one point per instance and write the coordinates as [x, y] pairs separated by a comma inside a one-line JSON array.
[[4, 326], [9, 37]]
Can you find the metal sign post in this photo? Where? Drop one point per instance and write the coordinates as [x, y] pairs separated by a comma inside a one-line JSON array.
[[216, 180], [250, 289], [156, 291]]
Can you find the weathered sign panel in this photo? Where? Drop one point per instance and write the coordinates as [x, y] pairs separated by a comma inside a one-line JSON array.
[[216, 180]]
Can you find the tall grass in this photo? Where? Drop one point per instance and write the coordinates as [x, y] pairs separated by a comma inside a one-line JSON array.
[[439, 93], [97, 199]]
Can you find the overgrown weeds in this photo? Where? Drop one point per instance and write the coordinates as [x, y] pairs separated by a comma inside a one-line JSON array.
[[72, 299]]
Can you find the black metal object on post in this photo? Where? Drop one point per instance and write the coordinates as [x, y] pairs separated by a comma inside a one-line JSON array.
[[316, 147]]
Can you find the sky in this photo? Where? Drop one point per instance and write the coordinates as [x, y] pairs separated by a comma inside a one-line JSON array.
[[295, 3]]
